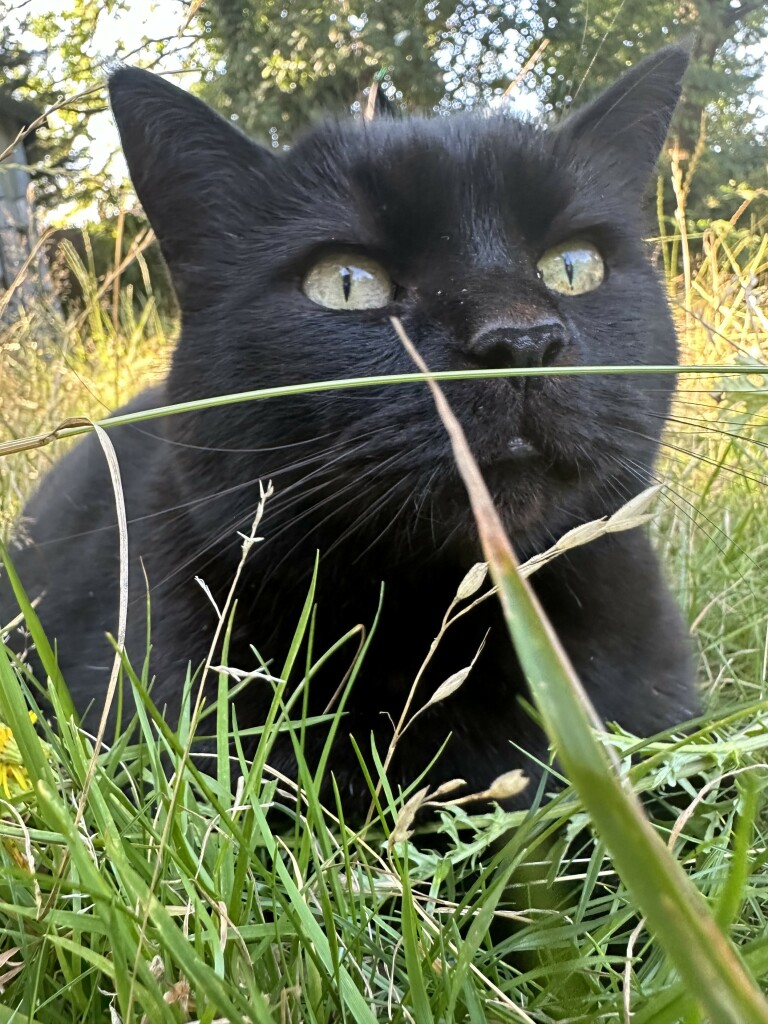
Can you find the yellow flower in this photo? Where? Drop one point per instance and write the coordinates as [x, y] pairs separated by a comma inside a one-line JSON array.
[[14, 777]]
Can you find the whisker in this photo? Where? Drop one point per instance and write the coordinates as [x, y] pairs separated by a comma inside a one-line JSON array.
[[372, 512], [229, 531], [202, 499], [175, 443], [708, 460], [353, 485]]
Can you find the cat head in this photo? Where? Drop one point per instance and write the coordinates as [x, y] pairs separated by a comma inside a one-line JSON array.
[[498, 242]]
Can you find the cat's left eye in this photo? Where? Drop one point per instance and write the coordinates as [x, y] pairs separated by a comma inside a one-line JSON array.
[[345, 281], [572, 268]]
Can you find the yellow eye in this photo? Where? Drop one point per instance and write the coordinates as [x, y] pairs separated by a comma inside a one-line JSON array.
[[572, 268], [346, 281]]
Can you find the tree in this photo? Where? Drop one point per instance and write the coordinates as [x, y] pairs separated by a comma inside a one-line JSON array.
[[717, 112], [45, 152], [274, 66], [23, 268], [280, 65]]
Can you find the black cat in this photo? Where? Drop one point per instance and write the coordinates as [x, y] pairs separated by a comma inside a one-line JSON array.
[[499, 244]]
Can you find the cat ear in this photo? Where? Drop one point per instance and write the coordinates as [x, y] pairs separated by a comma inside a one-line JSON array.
[[376, 105], [630, 120], [194, 173]]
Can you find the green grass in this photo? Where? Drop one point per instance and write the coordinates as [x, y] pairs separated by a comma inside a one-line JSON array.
[[151, 895]]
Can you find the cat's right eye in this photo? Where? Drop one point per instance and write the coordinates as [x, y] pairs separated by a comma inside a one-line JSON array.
[[347, 281]]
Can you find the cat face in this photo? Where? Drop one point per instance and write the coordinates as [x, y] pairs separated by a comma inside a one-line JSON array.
[[497, 243]]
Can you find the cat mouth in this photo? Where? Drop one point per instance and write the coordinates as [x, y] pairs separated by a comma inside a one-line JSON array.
[[515, 451], [518, 459], [519, 449]]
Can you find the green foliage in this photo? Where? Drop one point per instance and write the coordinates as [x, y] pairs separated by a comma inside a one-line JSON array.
[[83, 363], [66, 73], [95, 247], [275, 67], [588, 44], [281, 65], [45, 151]]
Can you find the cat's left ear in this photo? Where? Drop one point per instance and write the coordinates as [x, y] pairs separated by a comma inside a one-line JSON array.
[[376, 105], [629, 121]]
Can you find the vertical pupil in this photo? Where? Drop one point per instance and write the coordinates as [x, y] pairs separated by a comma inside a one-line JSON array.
[[346, 282], [568, 264]]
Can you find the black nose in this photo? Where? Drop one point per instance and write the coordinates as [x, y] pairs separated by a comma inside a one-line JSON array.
[[515, 347]]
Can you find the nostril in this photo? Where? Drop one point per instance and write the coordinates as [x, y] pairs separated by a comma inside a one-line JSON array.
[[551, 352], [497, 356]]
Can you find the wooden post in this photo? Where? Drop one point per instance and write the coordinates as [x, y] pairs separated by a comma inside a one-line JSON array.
[[20, 285]]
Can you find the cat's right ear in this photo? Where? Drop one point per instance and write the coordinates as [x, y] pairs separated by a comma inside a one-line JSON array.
[[195, 174]]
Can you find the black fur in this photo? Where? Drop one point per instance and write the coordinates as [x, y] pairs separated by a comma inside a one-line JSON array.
[[458, 210]]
